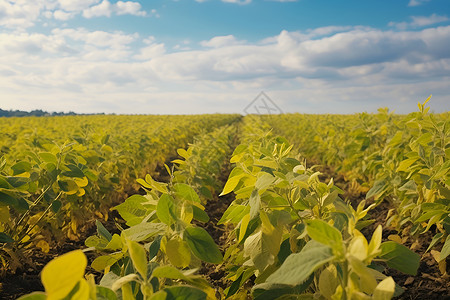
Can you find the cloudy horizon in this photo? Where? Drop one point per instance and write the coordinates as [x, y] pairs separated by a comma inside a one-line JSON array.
[[94, 56]]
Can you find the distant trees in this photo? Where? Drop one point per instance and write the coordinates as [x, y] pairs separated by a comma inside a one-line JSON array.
[[35, 113]]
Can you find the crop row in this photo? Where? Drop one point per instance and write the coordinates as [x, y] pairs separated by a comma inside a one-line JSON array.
[[404, 160], [292, 235], [53, 181]]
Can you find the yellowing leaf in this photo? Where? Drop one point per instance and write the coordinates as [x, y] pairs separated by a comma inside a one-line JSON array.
[[375, 242], [139, 257], [328, 281], [384, 290], [178, 253], [43, 245], [82, 292], [61, 274], [368, 282], [4, 214], [243, 228], [358, 248], [395, 238], [81, 182]]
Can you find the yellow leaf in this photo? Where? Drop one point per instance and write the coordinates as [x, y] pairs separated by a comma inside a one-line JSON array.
[[61, 274], [81, 182], [384, 290], [368, 282], [358, 248], [4, 214], [83, 291], [81, 192], [375, 242], [395, 238], [243, 228], [178, 253], [43, 245]]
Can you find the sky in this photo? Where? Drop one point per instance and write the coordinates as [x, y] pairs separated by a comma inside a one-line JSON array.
[[218, 56]]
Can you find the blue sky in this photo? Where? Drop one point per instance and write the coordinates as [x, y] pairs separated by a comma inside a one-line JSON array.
[[210, 56]]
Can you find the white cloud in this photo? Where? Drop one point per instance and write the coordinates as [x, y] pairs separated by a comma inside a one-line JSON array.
[[150, 52], [345, 69], [240, 2], [129, 8], [62, 15], [104, 9], [76, 5], [221, 41], [419, 21], [21, 14], [417, 2]]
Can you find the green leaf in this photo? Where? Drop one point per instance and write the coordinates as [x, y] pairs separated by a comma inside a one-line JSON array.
[[56, 206], [102, 231], [400, 257], [258, 251], [160, 295], [202, 245], [299, 266], [143, 231], [169, 272], [378, 188], [21, 167], [326, 234], [139, 257], [234, 213], [104, 293], [8, 199], [74, 171], [166, 210], [4, 238], [186, 192], [132, 210], [184, 293], [435, 240], [254, 202], [269, 291], [264, 181], [199, 214], [154, 247], [68, 186], [445, 249]]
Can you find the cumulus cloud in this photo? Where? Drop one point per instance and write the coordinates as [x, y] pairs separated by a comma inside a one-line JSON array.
[[345, 66], [106, 9], [221, 41], [22, 14]]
